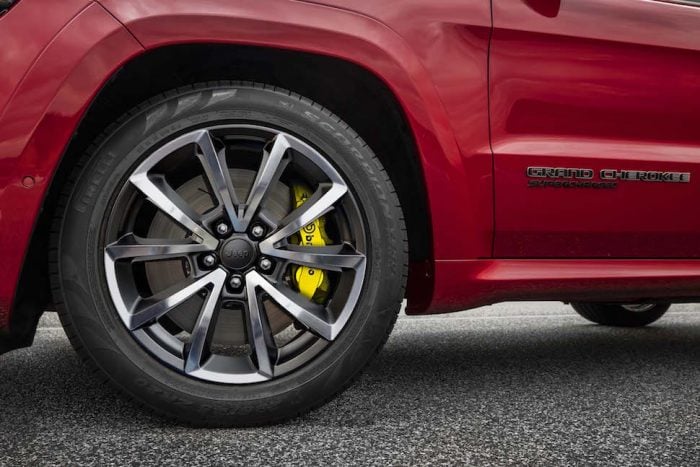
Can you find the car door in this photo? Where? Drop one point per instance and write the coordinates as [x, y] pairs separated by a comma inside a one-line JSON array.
[[595, 124]]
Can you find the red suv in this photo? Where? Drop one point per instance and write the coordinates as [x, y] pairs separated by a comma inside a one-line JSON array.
[[225, 201]]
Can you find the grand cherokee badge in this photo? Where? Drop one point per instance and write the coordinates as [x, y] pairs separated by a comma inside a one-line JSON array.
[[565, 177]]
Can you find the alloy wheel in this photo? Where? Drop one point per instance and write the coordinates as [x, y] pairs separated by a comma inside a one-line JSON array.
[[202, 244]]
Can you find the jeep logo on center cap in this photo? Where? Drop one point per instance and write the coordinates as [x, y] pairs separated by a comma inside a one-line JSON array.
[[237, 253]]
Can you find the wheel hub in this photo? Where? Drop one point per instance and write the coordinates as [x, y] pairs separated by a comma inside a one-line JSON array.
[[238, 253], [163, 274]]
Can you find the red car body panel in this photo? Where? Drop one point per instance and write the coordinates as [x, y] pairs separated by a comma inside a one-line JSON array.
[[487, 90], [600, 84], [50, 95]]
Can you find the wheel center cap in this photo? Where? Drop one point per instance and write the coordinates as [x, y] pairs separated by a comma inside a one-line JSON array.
[[237, 253]]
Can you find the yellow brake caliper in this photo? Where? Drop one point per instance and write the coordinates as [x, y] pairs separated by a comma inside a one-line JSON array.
[[310, 282]]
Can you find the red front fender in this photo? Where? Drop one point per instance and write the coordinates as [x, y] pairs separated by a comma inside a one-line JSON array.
[[46, 108]]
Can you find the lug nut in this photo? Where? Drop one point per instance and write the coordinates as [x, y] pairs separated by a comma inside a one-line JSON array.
[[236, 282], [222, 229], [209, 260], [265, 264], [257, 231]]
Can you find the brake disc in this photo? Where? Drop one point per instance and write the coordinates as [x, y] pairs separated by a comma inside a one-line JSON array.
[[230, 329]]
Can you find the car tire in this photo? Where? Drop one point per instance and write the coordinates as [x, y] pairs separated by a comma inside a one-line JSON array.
[[612, 314], [95, 324]]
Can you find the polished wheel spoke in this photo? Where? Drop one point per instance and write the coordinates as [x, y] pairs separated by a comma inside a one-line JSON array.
[[271, 168], [148, 309], [259, 334], [321, 202], [216, 169], [167, 200], [332, 258], [203, 329], [135, 248], [309, 314], [638, 307]]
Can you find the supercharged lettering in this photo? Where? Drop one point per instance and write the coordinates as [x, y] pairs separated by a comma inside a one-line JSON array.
[[569, 184]]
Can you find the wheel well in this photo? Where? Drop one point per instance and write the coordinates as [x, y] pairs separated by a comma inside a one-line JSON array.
[[366, 104]]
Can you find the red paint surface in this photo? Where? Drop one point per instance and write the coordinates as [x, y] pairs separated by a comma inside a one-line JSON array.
[[603, 84], [578, 84], [48, 99], [467, 284]]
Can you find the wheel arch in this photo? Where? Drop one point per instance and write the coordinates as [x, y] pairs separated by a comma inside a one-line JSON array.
[[330, 34], [172, 66]]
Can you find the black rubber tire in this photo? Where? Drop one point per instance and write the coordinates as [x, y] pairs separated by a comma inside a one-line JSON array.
[[92, 323], [612, 314]]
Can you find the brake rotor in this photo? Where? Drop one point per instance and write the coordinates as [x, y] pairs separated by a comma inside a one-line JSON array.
[[230, 329]]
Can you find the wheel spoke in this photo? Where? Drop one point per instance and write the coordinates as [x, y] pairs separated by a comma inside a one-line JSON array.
[[203, 329], [333, 258], [149, 309], [322, 201], [136, 248], [216, 169], [167, 200], [309, 314], [271, 168], [260, 335]]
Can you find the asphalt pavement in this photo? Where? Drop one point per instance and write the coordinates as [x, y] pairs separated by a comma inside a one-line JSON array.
[[518, 383]]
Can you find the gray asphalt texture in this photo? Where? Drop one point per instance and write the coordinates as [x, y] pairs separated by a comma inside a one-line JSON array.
[[520, 383]]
